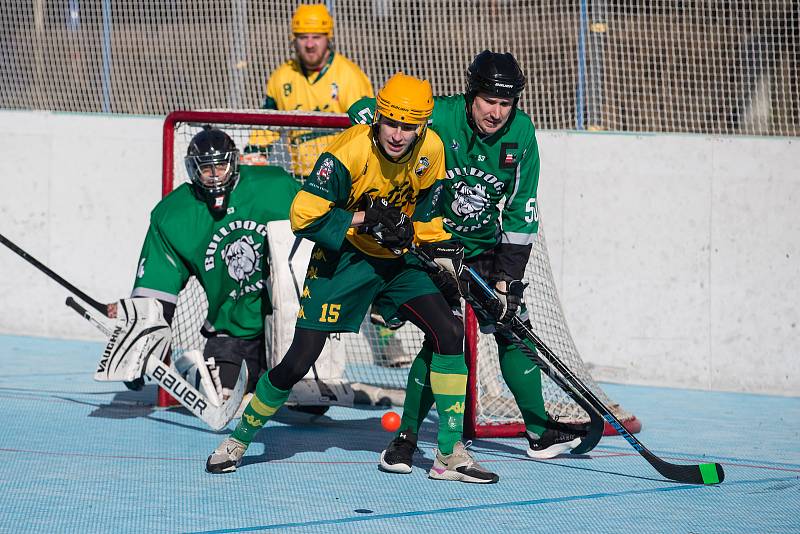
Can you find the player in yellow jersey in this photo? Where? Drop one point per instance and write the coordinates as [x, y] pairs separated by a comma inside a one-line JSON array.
[[371, 195], [317, 79]]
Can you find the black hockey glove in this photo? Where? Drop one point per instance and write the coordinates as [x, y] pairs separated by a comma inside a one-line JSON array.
[[390, 227], [507, 303], [449, 255], [377, 211]]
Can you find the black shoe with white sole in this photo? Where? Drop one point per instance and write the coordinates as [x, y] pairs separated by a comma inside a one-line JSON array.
[[557, 438], [396, 458]]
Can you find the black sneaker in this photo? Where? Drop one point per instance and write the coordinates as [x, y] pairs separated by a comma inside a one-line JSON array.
[[397, 456], [557, 438]]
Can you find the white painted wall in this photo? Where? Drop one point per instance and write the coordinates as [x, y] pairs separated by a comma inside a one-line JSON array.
[[676, 256], [77, 197]]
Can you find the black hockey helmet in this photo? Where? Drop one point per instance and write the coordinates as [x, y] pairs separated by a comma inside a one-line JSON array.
[[208, 151], [495, 74]]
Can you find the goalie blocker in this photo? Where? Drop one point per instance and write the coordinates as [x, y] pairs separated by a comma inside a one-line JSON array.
[[138, 345]]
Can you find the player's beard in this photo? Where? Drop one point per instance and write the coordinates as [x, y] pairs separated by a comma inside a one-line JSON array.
[[315, 59]]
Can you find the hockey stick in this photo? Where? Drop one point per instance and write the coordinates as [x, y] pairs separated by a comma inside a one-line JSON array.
[[217, 417], [707, 473], [102, 308], [596, 423]]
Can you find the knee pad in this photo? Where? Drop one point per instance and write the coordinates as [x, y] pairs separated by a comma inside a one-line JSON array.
[[452, 339]]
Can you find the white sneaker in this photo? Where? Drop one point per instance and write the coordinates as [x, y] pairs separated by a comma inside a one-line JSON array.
[[460, 466], [227, 457]]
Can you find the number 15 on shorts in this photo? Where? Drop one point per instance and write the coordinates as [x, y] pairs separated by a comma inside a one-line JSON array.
[[330, 313]]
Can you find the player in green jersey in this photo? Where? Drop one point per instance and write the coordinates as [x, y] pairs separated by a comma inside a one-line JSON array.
[[372, 193], [492, 162], [214, 228]]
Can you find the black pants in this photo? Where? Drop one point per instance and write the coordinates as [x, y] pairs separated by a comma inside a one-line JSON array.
[[230, 352]]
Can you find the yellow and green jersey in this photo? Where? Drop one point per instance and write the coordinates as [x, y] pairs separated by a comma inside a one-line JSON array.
[[338, 85], [334, 88], [353, 166]]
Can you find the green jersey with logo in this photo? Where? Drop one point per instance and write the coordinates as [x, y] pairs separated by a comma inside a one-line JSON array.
[[227, 255], [489, 196]]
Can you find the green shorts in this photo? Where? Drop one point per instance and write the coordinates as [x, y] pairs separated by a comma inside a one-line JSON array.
[[341, 285]]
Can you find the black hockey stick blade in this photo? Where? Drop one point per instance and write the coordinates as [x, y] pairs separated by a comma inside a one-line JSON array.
[[594, 432], [102, 308], [707, 473]]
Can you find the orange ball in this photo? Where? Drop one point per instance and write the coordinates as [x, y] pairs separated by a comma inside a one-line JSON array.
[[390, 422]]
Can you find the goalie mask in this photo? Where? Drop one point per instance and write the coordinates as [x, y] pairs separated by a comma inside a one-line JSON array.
[[212, 162]]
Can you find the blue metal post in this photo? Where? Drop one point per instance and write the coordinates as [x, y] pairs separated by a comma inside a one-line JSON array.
[[106, 56], [580, 93]]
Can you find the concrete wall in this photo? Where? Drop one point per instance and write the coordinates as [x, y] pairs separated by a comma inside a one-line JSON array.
[[676, 256]]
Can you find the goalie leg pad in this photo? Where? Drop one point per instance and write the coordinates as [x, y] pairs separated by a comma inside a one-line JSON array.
[[141, 332], [199, 373]]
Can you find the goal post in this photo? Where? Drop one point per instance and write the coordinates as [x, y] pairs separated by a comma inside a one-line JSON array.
[[379, 356]]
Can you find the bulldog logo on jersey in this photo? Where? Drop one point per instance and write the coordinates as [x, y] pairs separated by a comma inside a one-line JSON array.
[[242, 258], [422, 166], [334, 91], [325, 171], [469, 202]]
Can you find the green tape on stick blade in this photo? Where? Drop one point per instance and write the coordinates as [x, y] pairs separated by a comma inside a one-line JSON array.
[[709, 473]]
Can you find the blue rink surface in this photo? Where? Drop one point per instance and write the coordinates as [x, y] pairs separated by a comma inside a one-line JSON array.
[[84, 456]]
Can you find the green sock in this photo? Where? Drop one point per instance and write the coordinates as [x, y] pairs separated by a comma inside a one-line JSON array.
[[524, 379], [419, 396], [265, 402], [449, 385]]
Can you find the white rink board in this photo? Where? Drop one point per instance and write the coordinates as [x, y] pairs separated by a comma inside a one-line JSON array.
[[676, 256]]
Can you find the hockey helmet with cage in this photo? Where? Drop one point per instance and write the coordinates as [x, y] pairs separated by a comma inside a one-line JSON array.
[[212, 161], [495, 74], [404, 99], [312, 18]]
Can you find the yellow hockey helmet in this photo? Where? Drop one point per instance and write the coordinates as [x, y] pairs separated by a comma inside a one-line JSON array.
[[312, 18], [405, 99]]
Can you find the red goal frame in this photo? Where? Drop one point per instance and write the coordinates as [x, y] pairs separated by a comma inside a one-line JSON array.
[[471, 427]]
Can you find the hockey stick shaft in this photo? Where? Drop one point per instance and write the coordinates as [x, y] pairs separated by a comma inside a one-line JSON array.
[[708, 473], [102, 308], [596, 422], [80, 310]]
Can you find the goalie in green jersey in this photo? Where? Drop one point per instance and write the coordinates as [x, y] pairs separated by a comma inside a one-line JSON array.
[[214, 228], [492, 162]]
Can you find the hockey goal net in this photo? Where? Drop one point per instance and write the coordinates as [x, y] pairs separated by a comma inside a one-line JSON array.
[[378, 356]]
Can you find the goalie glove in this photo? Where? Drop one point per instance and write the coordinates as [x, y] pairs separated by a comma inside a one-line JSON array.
[[390, 227], [509, 297]]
